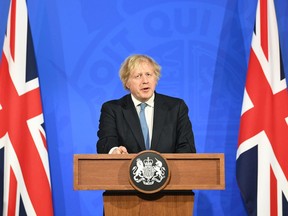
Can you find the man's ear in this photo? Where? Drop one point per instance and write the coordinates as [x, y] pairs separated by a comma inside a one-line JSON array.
[[127, 85]]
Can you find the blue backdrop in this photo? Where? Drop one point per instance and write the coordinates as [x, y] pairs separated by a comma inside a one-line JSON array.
[[203, 47]]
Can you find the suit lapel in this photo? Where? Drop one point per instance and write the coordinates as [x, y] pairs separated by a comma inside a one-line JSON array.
[[131, 116], [160, 113]]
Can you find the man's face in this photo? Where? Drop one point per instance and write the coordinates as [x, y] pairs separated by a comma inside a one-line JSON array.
[[142, 82]]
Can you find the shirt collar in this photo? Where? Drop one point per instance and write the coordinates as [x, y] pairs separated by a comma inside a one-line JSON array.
[[150, 102]]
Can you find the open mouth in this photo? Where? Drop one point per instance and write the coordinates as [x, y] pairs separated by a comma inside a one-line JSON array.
[[145, 89]]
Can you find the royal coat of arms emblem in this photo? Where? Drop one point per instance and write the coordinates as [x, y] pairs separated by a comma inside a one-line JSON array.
[[149, 171]]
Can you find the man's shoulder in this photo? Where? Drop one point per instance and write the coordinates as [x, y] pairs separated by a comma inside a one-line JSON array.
[[118, 102], [170, 103], [167, 98]]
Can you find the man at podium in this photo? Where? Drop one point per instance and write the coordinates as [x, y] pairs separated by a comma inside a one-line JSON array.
[[144, 119]]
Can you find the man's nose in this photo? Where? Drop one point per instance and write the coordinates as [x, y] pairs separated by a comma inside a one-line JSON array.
[[145, 78]]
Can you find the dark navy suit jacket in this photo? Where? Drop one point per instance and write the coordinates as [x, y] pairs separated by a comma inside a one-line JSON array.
[[120, 125]]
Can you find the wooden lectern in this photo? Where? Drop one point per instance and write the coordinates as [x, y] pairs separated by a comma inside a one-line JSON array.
[[111, 173]]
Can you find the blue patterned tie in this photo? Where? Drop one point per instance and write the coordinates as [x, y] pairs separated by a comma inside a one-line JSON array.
[[144, 125]]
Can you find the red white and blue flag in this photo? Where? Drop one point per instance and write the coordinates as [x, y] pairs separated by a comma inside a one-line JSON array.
[[24, 167], [262, 155]]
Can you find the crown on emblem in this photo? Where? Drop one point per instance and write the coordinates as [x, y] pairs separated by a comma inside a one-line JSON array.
[[148, 161]]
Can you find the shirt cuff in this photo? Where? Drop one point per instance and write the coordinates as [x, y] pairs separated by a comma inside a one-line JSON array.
[[112, 149]]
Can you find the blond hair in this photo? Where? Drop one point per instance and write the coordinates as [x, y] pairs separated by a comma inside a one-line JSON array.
[[133, 61]]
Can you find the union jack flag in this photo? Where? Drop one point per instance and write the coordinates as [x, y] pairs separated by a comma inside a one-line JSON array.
[[262, 168], [25, 182]]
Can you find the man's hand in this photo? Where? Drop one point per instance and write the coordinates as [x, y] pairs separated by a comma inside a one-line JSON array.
[[120, 150]]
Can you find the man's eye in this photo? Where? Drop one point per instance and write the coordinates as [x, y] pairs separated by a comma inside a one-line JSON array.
[[148, 74]]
